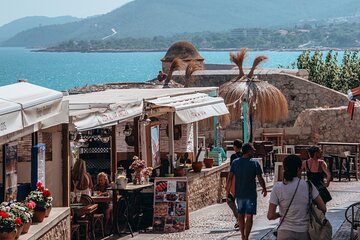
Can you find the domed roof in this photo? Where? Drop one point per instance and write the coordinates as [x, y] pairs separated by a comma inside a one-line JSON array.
[[184, 50]]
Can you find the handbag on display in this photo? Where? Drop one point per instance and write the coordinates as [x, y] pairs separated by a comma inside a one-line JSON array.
[[275, 230], [319, 226]]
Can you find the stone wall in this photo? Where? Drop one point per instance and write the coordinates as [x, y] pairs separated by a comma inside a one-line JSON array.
[[300, 93], [330, 125], [206, 188], [60, 231]]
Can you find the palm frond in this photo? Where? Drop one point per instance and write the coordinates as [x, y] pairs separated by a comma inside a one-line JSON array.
[[238, 58], [257, 61], [176, 64], [192, 67]]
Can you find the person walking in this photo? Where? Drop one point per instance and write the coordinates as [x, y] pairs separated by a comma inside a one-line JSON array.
[[246, 170], [230, 200], [292, 197], [316, 170]]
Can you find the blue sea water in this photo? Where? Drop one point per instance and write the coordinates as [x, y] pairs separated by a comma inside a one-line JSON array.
[[63, 71]]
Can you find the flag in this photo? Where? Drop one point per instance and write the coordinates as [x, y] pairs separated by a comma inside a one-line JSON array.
[[350, 109], [354, 93]]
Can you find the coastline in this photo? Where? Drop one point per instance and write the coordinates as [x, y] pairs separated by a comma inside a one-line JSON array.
[[200, 49]]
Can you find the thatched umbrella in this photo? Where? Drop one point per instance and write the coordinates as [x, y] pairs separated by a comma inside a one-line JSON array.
[[192, 67], [252, 98], [176, 64]]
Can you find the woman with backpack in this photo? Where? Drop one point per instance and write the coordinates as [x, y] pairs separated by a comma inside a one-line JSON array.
[[292, 197]]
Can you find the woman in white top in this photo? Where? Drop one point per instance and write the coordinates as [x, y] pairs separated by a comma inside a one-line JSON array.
[[81, 179], [295, 223]]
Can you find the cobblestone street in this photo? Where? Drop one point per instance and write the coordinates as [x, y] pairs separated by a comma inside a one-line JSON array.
[[216, 221]]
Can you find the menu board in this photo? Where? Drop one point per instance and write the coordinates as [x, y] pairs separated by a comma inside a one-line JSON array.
[[10, 172], [170, 205]]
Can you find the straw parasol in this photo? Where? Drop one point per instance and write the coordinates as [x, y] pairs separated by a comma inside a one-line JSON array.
[[192, 67], [176, 64], [252, 98]]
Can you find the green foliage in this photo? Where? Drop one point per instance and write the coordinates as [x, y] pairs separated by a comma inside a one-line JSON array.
[[329, 72]]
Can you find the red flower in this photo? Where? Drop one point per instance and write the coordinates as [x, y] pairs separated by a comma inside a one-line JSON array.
[[4, 215], [41, 188], [18, 221], [39, 184], [31, 205], [46, 193]]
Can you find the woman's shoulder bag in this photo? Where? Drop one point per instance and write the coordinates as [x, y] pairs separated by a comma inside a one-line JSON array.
[[319, 227]]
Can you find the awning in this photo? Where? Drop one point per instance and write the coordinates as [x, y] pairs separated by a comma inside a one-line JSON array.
[[102, 109], [10, 117], [37, 103], [25, 107], [192, 107]]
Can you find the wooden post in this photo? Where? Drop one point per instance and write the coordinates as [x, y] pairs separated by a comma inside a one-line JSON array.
[[171, 139], [357, 161], [113, 153], [136, 136], [195, 134], [66, 168], [215, 131]]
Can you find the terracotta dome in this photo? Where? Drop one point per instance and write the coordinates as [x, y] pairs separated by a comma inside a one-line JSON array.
[[184, 50]]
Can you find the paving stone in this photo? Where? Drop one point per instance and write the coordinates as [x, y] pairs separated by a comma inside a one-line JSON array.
[[217, 221]]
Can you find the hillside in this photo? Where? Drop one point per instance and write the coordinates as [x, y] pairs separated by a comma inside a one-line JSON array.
[[11, 29], [148, 18]]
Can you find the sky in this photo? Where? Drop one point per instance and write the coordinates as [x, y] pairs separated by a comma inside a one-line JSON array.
[[14, 9]]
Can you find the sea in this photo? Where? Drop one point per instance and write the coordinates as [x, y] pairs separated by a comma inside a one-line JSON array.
[[66, 70]]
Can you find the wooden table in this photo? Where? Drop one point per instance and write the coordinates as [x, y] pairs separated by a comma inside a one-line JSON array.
[[278, 136], [81, 210], [99, 199], [344, 144]]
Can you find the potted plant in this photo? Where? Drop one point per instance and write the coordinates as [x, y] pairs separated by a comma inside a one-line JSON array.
[[48, 199], [7, 224], [137, 165], [208, 161], [179, 171], [30, 206], [197, 166], [146, 172], [20, 211], [41, 197]]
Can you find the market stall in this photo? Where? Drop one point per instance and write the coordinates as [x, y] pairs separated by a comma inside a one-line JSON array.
[[154, 124]]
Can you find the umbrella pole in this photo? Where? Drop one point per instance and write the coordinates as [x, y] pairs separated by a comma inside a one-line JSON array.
[[215, 131], [245, 122], [250, 127]]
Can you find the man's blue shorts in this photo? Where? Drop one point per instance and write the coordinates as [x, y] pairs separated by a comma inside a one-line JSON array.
[[246, 206]]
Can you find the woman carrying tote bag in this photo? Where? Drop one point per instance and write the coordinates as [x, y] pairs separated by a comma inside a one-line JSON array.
[[292, 198]]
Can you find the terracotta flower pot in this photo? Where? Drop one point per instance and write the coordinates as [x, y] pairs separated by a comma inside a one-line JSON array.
[[197, 166], [179, 172], [208, 162], [18, 231], [7, 235], [47, 211], [26, 227], [39, 215]]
